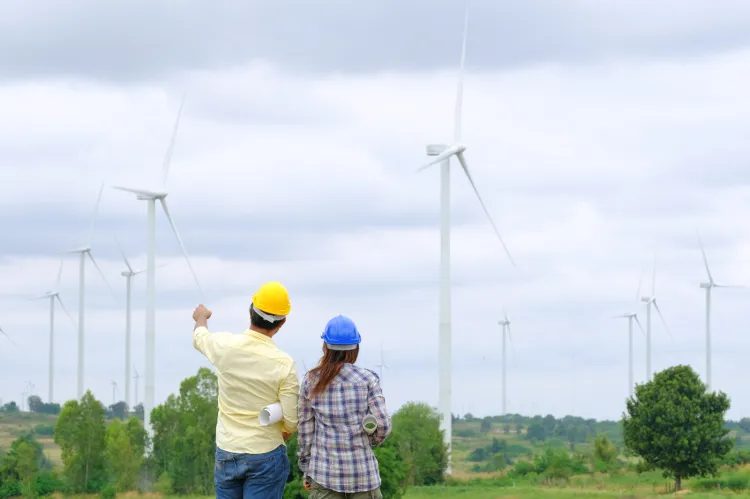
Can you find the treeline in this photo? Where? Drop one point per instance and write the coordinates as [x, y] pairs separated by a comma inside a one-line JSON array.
[[106, 455], [119, 410]]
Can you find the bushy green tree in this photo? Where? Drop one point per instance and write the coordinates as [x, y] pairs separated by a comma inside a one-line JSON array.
[[125, 448], [419, 440], [80, 433], [185, 435], [605, 452], [393, 469], [674, 424]]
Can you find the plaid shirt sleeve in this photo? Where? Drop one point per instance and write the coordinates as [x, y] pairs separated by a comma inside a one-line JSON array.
[[305, 428], [376, 404]]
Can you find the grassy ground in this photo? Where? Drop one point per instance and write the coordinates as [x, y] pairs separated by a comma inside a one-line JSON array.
[[13, 425], [484, 492]]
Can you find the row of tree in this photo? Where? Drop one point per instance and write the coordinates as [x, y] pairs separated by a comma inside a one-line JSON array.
[[107, 455]]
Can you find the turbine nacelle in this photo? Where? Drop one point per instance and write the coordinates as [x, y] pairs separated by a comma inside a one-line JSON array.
[[707, 285], [82, 249], [647, 299], [144, 194]]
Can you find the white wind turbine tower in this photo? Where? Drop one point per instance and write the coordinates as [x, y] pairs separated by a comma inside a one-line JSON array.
[[382, 364], [505, 323], [85, 251], [443, 154], [631, 317], [649, 301], [114, 392], [151, 196], [52, 296], [136, 378], [708, 286]]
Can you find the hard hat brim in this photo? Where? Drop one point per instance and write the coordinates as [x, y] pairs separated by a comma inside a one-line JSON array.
[[341, 347]]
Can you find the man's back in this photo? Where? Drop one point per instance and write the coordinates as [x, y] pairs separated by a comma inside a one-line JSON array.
[[253, 373]]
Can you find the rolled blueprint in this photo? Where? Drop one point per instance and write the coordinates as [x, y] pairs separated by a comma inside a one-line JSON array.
[[370, 424], [270, 414]]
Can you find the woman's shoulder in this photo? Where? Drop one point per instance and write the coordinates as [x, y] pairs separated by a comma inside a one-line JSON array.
[[364, 373]]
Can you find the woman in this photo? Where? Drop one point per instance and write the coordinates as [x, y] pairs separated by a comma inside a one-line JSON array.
[[335, 454]]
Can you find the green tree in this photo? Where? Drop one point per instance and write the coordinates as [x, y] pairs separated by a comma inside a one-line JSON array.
[[80, 433], [185, 435], [604, 450], [393, 469], [535, 432], [11, 407], [20, 467], [674, 424], [419, 440], [485, 426], [125, 448]]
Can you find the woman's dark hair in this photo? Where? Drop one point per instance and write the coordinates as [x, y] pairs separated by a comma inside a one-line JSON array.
[[329, 366]]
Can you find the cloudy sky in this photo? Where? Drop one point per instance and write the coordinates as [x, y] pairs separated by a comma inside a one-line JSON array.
[[600, 134]]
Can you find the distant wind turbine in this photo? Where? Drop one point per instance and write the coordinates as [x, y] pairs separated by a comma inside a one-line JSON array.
[[443, 153], [114, 392], [84, 251], [651, 301], [631, 317], [505, 323], [708, 286], [128, 274], [52, 296], [151, 196], [382, 364]]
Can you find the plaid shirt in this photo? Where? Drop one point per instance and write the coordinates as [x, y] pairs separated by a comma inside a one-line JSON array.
[[334, 449]]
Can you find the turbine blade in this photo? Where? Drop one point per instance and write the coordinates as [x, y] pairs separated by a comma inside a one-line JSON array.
[[462, 160], [637, 321], [9, 338], [440, 158], [735, 286], [96, 213], [705, 260], [623, 316], [182, 246], [59, 274], [658, 311], [93, 260], [66, 311], [119, 247], [460, 92], [170, 149], [640, 284]]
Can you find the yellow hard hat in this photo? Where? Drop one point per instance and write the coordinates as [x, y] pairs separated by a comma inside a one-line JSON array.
[[273, 299]]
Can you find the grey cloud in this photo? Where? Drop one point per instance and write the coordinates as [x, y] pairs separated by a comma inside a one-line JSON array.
[[151, 39]]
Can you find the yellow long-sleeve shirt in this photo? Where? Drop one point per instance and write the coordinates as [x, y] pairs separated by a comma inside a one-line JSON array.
[[253, 373]]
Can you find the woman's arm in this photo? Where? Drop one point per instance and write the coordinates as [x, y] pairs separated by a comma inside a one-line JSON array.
[[305, 428], [376, 403]]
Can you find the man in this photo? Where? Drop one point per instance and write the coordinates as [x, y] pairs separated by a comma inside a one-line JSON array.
[[251, 460]]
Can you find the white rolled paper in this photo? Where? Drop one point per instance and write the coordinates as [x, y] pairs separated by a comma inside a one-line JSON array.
[[370, 424], [270, 414]]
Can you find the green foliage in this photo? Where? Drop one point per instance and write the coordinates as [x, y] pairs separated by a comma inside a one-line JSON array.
[[419, 440], [80, 433], [393, 470], [20, 467], [10, 408], [736, 482], [125, 449], [46, 430], [36, 405], [485, 426], [185, 435], [605, 455], [164, 485], [673, 424]]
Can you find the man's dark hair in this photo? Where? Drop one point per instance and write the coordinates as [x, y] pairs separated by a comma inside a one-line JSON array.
[[259, 322]]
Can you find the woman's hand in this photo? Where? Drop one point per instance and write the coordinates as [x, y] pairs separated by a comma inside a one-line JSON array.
[[307, 486]]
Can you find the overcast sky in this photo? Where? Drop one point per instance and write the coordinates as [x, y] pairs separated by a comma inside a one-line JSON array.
[[600, 134]]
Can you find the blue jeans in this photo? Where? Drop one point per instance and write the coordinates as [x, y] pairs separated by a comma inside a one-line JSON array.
[[251, 476]]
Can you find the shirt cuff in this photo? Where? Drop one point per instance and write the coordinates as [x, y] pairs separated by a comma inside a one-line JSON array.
[[201, 329]]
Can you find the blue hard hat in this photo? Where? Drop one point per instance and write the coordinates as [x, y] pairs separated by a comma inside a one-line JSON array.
[[341, 334]]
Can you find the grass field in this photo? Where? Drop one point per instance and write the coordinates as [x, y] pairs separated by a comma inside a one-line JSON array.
[[467, 483]]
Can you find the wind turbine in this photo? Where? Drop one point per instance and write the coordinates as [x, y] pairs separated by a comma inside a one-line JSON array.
[[651, 301], [52, 296], [443, 154], [114, 392], [151, 196], [84, 251], [128, 274], [708, 286], [382, 364], [505, 323], [632, 316], [136, 377]]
